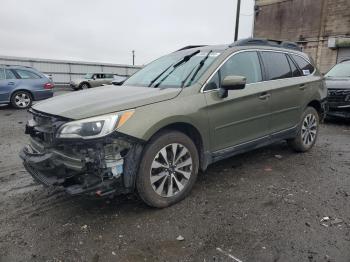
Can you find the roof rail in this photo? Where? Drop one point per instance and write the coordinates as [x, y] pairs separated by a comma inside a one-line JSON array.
[[266, 42], [16, 65], [189, 47]]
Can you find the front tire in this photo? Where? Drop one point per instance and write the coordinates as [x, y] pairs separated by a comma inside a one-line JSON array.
[[307, 131], [21, 99], [168, 169], [84, 86]]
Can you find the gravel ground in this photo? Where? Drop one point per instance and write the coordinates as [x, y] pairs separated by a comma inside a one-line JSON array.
[[266, 205]]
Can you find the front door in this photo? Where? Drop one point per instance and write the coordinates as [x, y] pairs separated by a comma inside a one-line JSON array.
[[243, 116]]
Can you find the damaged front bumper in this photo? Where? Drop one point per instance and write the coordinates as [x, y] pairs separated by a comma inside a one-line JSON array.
[[339, 103], [100, 167]]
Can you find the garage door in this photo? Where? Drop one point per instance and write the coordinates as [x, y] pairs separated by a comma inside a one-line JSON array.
[[343, 54]]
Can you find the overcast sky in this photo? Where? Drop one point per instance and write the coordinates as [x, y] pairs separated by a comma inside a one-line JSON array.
[[107, 30]]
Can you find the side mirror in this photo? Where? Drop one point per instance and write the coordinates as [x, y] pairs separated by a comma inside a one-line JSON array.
[[94, 77], [231, 83]]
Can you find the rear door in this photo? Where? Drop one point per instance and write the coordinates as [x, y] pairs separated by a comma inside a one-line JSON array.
[[285, 91], [108, 78], [244, 115], [8, 82]]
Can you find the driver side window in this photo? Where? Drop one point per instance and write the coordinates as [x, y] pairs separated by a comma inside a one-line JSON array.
[[245, 64]]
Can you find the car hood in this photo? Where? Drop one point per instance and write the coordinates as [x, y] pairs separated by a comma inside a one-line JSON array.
[[338, 82], [103, 100]]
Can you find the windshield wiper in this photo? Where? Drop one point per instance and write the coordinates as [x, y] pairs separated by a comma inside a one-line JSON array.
[[201, 64], [177, 64], [155, 79]]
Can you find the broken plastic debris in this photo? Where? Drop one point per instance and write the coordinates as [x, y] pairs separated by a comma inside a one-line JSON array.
[[268, 169], [180, 238], [84, 227], [324, 219], [113, 253]]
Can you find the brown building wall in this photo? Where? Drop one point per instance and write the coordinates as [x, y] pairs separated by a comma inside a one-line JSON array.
[[308, 22]]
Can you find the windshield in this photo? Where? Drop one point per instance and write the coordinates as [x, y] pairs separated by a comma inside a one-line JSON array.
[[88, 76], [164, 72], [340, 70]]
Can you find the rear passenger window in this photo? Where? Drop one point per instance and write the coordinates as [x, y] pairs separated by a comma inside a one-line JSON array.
[[305, 66], [295, 71], [2, 74], [277, 65], [245, 64], [9, 74], [25, 74]]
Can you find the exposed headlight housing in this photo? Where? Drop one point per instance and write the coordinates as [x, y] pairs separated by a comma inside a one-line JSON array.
[[94, 127]]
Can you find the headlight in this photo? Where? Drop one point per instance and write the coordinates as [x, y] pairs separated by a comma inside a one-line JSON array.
[[94, 127]]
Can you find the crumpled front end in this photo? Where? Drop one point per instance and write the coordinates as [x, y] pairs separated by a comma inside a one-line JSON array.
[[98, 167]]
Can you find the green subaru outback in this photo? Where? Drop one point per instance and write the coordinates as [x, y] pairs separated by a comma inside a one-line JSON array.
[[174, 117]]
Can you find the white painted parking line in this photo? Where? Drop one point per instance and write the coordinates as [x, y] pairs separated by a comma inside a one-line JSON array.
[[228, 254]]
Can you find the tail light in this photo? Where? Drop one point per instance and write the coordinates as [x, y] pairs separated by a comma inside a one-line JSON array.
[[48, 85]]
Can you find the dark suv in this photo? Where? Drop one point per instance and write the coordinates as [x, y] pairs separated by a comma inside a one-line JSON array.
[[21, 85], [175, 116], [338, 84]]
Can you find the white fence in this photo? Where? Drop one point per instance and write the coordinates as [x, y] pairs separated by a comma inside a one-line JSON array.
[[63, 71]]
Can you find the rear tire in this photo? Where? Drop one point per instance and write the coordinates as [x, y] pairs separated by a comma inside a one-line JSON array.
[[307, 131], [21, 99], [168, 169]]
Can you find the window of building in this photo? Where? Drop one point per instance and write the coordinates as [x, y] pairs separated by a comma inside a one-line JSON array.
[[305, 66], [277, 65]]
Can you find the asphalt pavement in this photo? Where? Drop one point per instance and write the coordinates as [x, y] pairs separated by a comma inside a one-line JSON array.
[[267, 205]]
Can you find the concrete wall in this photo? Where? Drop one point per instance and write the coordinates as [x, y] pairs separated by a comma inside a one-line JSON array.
[[64, 71], [309, 22]]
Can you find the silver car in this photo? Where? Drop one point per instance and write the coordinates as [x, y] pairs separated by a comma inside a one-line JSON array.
[[92, 80]]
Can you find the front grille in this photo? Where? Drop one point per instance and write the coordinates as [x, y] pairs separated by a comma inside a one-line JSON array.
[[43, 127], [338, 97]]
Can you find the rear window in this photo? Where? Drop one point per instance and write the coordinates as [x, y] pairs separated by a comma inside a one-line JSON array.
[[277, 65], [305, 67], [9, 74], [26, 74], [295, 71]]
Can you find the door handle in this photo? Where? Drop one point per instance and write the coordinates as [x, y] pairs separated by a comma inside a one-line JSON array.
[[264, 96], [10, 83], [302, 87]]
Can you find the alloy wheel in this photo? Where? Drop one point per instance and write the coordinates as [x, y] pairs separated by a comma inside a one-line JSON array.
[[171, 170], [309, 129], [22, 100], [84, 86]]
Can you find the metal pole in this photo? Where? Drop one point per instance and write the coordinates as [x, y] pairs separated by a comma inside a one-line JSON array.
[[237, 19], [133, 57]]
